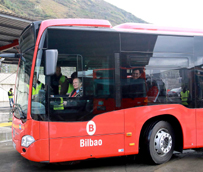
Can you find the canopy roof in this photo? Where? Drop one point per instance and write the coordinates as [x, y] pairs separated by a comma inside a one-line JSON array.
[[11, 26]]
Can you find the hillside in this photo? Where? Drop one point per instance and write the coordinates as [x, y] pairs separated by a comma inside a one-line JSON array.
[[47, 9]]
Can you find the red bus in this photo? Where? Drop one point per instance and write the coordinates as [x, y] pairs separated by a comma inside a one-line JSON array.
[[112, 117]]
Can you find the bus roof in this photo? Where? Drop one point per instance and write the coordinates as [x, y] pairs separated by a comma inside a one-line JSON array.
[[77, 22], [126, 27], [150, 28]]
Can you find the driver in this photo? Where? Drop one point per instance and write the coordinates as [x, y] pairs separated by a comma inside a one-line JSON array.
[[77, 84]]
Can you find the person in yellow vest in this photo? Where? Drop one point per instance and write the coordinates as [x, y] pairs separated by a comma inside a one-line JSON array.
[[10, 97], [59, 84], [66, 88], [36, 86], [57, 80], [185, 96]]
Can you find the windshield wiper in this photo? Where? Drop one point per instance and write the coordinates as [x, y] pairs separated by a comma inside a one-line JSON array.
[[21, 113]]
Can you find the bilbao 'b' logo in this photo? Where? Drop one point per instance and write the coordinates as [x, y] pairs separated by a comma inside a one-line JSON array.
[[91, 128]]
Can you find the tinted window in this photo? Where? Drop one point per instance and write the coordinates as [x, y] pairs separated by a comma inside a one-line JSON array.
[[198, 52], [23, 79], [27, 39], [83, 42], [137, 42], [156, 43], [175, 44], [162, 78]]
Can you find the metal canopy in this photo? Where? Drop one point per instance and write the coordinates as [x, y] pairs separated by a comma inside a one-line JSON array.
[[11, 26]]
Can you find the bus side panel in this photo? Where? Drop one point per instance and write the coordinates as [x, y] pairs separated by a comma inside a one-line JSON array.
[[78, 148], [74, 140], [107, 123], [199, 119], [136, 117]]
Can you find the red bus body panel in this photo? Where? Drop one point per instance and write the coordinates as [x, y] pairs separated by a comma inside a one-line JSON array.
[[68, 149], [65, 138], [199, 128], [136, 117]]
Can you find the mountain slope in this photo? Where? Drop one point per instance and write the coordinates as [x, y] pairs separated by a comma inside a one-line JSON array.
[[47, 9]]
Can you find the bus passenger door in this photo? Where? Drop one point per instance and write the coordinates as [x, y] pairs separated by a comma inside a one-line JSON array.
[[90, 125]]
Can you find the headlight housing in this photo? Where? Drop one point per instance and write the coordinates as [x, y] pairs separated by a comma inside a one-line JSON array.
[[27, 140]]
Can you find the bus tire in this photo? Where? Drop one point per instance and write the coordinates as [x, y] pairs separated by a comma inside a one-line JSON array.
[[159, 142]]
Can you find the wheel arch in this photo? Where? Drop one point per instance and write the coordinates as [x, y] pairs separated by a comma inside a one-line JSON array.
[[173, 121]]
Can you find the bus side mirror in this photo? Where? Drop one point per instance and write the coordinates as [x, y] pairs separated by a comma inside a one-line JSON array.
[[51, 57]]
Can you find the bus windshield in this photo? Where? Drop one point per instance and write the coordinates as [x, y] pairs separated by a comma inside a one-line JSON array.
[[23, 75]]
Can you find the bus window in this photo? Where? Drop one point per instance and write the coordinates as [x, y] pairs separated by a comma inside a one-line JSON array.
[[178, 44], [100, 86], [22, 88], [166, 77], [133, 79], [38, 92], [62, 101], [93, 62], [163, 79]]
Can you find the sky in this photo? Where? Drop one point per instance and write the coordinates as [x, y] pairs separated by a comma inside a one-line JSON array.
[[178, 13]]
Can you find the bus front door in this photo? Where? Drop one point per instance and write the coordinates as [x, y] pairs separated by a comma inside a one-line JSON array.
[[100, 136]]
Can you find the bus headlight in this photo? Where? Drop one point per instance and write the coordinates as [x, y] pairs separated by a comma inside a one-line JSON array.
[[27, 141]]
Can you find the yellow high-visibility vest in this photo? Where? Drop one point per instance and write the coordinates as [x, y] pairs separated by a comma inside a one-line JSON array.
[[62, 80], [10, 97], [70, 88], [184, 97], [60, 105], [35, 91]]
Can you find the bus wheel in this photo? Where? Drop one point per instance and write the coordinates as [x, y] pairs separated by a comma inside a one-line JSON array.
[[160, 142]]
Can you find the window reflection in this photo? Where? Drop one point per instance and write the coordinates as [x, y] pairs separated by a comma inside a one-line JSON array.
[[23, 79], [174, 44], [165, 80]]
